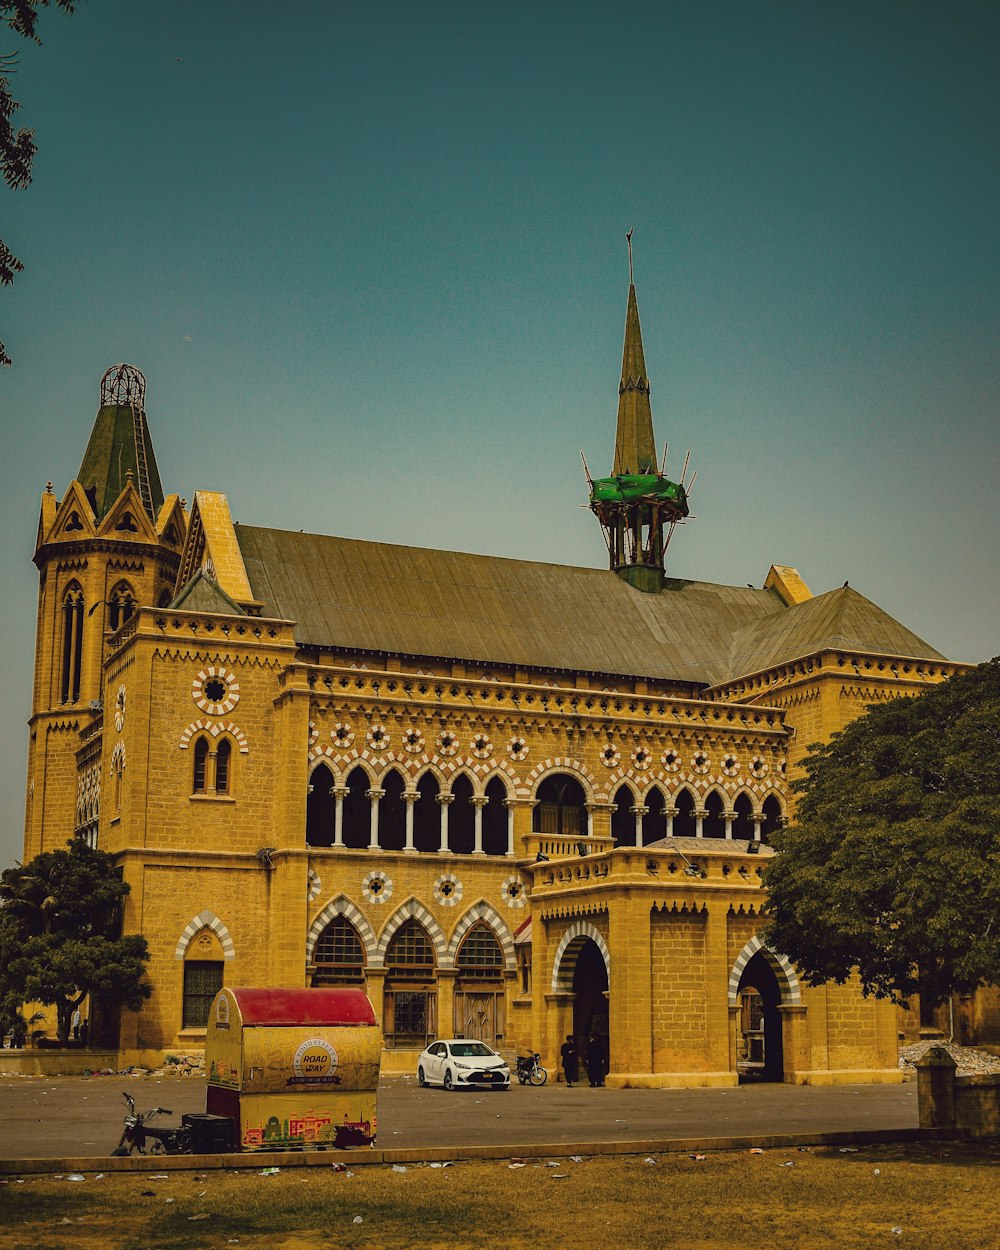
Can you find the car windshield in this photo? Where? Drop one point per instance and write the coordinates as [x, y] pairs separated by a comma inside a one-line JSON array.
[[469, 1050]]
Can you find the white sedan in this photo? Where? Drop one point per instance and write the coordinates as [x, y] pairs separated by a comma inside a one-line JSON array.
[[459, 1064]]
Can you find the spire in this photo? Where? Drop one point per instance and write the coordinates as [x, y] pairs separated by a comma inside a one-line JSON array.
[[635, 447], [637, 506], [120, 445]]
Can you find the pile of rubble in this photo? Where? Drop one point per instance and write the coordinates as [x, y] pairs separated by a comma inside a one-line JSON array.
[[970, 1061]]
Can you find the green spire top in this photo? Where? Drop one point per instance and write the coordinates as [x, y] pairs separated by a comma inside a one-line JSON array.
[[120, 444]]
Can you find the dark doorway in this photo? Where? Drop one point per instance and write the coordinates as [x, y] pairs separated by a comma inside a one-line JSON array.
[[760, 1056], [590, 1002]]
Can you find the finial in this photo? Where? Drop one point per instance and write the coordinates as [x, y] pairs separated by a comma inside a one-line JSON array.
[[628, 240], [128, 475], [48, 488]]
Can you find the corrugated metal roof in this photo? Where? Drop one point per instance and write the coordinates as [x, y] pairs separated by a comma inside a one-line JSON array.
[[349, 593]]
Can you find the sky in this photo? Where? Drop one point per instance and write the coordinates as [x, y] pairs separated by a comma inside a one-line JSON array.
[[371, 259]]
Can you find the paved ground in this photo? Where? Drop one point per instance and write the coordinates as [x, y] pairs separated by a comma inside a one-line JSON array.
[[50, 1117]]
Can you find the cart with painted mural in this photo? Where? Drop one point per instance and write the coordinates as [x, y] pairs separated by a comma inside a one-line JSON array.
[[294, 1069]]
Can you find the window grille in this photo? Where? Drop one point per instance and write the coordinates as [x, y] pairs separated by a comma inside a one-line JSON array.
[[338, 955], [480, 953], [410, 953], [223, 757], [202, 981], [200, 762]]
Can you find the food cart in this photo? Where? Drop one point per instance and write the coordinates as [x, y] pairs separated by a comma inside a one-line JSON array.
[[294, 1068]]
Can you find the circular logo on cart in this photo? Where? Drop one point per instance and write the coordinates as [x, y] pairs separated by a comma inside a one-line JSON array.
[[315, 1062]]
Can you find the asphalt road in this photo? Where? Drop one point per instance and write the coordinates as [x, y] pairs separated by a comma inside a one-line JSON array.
[[53, 1117]]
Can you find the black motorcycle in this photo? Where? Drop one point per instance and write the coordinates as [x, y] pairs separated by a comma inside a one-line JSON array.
[[530, 1071], [138, 1136]]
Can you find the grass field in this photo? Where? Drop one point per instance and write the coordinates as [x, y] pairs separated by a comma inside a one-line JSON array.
[[921, 1197]]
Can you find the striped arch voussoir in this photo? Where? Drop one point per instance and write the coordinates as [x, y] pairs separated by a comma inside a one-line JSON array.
[[411, 909], [206, 920], [557, 764], [342, 906], [791, 994], [490, 916], [564, 964], [214, 729]]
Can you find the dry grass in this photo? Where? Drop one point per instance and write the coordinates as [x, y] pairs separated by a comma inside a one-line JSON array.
[[941, 1197]]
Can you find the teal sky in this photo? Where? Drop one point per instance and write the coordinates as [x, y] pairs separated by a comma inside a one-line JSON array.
[[371, 260]]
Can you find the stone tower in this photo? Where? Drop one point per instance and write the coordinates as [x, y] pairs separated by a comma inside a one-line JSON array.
[[110, 545]]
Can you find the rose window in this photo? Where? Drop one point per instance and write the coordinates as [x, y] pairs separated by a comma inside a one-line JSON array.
[[513, 892], [758, 767], [376, 887], [641, 758], [447, 743], [671, 761], [700, 762], [610, 755], [413, 741], [447, 889], [730, 765], [482, 747], [216, 691], [377, 738], [517, 749], [342, 734]]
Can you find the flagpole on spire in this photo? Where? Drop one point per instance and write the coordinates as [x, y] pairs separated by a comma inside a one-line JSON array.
[[628, 240]]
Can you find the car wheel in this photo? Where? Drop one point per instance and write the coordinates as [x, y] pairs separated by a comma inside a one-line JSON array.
[[421, 1079], [449, 1084]]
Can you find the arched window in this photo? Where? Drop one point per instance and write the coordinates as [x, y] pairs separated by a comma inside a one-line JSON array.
[[392, 813], [654, 823], [321, 808], [427, 815], [121, 605], [495, 819], [72, 614], [772, 817], [223, 762], [684, 823], [480, 955], [714, 825], [623, 818], [410, 1015], [479, 994], [204, 966], [338, 956], [357, 810], [462, 818], [560, 807], [743, 818], [200, 766]]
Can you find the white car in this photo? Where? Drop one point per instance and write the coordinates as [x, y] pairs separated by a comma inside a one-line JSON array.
[[459, 1064]]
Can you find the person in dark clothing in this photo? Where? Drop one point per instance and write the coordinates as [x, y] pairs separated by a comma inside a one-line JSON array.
[[570, 1060], [597, 1060]]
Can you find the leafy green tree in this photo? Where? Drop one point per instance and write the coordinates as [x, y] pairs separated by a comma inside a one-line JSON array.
[[60, 925], [892, 864], [17, 147]]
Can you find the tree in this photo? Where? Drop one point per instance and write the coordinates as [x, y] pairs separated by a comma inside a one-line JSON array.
[[60, 925], [892, 864], [17, 148]]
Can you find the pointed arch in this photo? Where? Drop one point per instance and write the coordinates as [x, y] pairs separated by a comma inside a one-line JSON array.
[[414, 910], [482, 911], [788, 981], [623, 818], [685, 802], [568, 951], [714, 803], [342, 906], [560, 765], [463, 770], [206, 920]]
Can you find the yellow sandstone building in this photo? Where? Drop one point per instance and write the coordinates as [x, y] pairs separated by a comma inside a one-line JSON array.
[[512, 800]]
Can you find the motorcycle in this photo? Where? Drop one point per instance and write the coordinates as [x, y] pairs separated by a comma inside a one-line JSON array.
[[530, 1071], [137, 1135]]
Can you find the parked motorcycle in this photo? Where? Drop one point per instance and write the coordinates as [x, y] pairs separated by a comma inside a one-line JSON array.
[[161, 1140], [530, 1071]]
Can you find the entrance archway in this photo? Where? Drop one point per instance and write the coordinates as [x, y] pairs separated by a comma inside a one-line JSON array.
[[590, 1001], [760, 1054]]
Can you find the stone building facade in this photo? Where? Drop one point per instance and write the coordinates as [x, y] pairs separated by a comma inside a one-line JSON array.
[[513, 800]]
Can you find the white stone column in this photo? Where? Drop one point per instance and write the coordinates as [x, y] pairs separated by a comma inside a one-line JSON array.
[[729, 817], [699, 821], [638, 810], [339, 793], [509, 804], [374, 795], [445, 801], [409, 798], [479, 801], [756, 826], [670, 813]]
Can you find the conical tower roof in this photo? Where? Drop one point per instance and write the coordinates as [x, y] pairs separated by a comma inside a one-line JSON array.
[[120, 444], [635, 447]]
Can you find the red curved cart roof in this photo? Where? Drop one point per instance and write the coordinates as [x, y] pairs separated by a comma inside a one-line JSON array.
[[291, 1006]]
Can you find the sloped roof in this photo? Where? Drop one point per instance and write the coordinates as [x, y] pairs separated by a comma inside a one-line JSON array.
[[838, 619], [203, 594], [350, 593], [111, 455], [346, 592]]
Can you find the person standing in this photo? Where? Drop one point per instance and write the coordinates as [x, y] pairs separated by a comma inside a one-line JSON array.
[[595, 1060], [570, 1060]]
